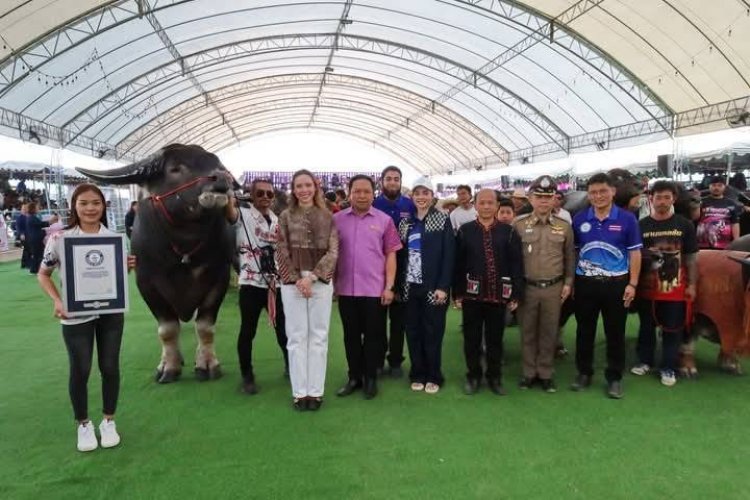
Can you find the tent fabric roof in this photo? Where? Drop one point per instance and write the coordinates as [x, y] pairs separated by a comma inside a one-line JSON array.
[[442, 84]]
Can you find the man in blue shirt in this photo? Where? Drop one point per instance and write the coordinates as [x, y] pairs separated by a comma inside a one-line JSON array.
[[608, 241], [397, 207]]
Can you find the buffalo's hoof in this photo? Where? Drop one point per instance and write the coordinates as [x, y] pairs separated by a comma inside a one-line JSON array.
[[215, 372], [205, 374], [689, 373], [732, 370], [201, 374], [167, 376]]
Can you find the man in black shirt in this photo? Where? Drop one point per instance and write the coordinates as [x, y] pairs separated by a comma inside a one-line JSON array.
[[489, 277], [668, 281], [720, 219]]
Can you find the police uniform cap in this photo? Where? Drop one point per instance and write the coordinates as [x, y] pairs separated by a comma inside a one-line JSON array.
[[543, 186]]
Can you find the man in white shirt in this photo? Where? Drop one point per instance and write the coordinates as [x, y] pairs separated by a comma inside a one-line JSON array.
[[558, 208], [257, 235], [465, 211]]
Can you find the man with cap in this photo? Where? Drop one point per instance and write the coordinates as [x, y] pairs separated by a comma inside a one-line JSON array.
[[720, 218], [465, 212], [548, 250], [520, 201], [424, 280]]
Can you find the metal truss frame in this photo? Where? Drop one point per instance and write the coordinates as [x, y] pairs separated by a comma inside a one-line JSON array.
[[239, 107], [221, 54], [435, 147], [606, 138], [251, 129], [475, 106], [556, 30], [24, 60], [186, 70], [56, 136], [361, 137], [542, 29], [468, 134]]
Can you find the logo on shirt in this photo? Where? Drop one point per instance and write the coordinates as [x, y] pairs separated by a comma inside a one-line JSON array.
[[585, 227]]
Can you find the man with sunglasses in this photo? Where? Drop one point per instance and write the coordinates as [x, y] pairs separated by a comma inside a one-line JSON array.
[[257, 235]]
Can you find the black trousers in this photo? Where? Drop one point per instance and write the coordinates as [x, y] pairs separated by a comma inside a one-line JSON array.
[[253, 300], [25, 254], [36, 251], [363, 319], [79, 340], [670, 317], [605, 297], [394, 343], [483, 320], [425, 328]]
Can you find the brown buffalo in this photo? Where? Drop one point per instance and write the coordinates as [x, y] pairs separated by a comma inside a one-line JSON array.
[[721, 309]]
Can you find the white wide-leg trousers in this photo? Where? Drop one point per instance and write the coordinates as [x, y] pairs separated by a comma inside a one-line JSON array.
[[307, 322]]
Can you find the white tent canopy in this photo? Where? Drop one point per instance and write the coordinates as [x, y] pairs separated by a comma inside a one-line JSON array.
[[442, 84]]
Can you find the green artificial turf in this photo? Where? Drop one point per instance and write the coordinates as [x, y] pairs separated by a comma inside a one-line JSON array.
[[207, 440]]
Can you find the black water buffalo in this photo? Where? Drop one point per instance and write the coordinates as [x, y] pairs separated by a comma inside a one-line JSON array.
[[183, 246]]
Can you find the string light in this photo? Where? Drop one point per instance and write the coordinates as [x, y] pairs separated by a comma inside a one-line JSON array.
[[63, 79]]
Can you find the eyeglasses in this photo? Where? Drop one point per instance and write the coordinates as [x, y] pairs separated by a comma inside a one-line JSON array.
[[260, 193]]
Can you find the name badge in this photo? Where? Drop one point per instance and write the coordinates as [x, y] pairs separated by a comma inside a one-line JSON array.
[[472, 286]]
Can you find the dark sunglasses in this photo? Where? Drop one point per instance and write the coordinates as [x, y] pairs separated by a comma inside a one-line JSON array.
[[260, 193]]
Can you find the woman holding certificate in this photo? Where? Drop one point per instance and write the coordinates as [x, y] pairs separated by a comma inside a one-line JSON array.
[[88, 217]]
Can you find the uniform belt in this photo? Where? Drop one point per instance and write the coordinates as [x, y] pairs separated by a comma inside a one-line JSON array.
[[608, 279], [544, 283]]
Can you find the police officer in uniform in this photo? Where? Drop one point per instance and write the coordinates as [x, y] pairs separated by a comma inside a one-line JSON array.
[[549, 262]]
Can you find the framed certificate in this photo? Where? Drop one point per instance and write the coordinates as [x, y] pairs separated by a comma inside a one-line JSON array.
[[94, 274]]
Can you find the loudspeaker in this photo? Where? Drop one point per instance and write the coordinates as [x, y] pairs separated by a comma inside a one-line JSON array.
[[665, 165], [505, 181], [440, 187]]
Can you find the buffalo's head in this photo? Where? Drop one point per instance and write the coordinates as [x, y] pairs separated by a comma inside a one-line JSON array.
[[188, 180]]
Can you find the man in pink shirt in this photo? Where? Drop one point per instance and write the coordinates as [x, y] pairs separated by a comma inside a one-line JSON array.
[[365, 275]]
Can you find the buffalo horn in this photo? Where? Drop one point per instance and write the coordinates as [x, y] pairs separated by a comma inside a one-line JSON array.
[[135, 173]]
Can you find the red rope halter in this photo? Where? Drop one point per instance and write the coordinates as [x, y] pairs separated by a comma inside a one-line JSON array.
[[157, 201]]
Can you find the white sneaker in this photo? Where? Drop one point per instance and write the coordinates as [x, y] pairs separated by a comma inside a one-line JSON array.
[[431, 388], [417, 386], [668, 378], [87, 437], [108, 433], [640, 369]]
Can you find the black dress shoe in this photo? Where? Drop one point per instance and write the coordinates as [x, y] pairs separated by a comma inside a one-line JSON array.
[[614, 389], [370, 389], [496, 387], [299, 404], [314, 404], [526, 383], [349, 388], [249, 387], [471, 387], [548, 385], [582, 382]]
